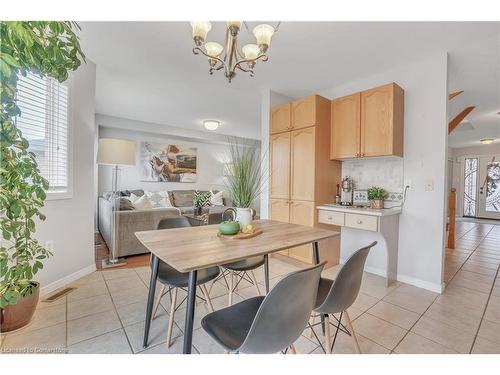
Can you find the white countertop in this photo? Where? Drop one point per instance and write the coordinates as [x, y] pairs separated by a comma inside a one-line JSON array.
[[361, 210]]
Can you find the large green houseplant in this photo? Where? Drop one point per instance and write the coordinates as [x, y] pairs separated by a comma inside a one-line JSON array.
[[48, 49]]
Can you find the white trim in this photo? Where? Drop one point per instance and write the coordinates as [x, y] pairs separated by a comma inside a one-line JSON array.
[[67, 279], [405, 279]]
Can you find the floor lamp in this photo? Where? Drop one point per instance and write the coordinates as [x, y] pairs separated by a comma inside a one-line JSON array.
[[115, 152]]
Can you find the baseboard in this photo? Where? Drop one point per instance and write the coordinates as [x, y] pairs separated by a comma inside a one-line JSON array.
[[406, 279], [66, 280]]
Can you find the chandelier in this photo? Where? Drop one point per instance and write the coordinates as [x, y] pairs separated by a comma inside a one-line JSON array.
[[229, 57]]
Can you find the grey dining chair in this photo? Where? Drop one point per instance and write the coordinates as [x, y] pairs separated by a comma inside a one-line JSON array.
[[174, 280], [265, 325], [336, 296]]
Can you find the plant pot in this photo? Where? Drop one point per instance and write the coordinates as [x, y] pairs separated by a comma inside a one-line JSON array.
[[377, 203], [16, 316], [244, 216], [229, 227], [197, 210]]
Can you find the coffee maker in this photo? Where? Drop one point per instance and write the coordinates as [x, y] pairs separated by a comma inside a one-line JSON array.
[[346, 195]]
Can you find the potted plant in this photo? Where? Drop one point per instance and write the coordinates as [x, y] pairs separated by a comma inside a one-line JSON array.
[[244, 182], [376, 196], [46, 48]]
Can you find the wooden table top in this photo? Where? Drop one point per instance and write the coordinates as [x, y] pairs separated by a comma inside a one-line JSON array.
[[194, 248]]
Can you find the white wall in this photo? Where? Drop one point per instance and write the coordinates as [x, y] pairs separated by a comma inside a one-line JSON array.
[[212, 151], [70, 222], [422, 229], [269, 99]]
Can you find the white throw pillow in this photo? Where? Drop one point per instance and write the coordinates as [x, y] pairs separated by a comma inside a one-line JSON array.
[[143, 203], [159, 199], [216, 198], [133, 198]]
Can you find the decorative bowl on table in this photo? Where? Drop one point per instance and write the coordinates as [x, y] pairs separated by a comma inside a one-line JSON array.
[[229, 227]]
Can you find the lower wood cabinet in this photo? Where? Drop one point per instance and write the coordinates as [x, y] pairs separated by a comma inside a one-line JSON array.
[[302, 213], [279, 210]]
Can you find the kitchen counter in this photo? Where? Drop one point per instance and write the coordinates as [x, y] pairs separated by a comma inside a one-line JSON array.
[[361, 210]]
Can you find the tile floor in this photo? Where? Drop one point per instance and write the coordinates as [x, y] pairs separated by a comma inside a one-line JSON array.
[[106, 313]]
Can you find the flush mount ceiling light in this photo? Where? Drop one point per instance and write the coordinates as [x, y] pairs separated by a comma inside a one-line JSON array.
[[487, 141], [228, 56], [211, 124]]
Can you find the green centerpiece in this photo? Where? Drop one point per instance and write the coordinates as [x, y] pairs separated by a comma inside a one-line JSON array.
[[229, 227]]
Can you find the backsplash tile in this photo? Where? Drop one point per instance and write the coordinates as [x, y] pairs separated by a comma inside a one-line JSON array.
[[383, 172]]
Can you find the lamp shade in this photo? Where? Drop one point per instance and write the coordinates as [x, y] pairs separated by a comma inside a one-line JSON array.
[[116, 152]]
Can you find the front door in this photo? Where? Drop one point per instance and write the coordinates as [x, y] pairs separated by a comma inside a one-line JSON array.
[[489, 187]]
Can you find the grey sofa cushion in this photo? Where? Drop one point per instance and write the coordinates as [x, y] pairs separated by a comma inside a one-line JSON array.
[[126, 204], [181, 198], [126, 193]]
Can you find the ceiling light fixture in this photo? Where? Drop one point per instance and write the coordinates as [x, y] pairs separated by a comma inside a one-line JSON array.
[[211, 124], [228, 56], [487, 141]]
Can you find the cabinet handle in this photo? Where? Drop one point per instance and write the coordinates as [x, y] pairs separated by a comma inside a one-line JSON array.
[[291, 202], [359, 221], [330, 218], [363, 154]]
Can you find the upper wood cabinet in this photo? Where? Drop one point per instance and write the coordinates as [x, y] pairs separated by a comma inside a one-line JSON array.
[[346, 127], [279, 147], [368, 124], [382, 121], [302, 164], [304, 112], [281, 118]]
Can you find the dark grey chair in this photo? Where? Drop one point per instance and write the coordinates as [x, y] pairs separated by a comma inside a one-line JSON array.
[[336, 296], [172, 279], [265, 325]]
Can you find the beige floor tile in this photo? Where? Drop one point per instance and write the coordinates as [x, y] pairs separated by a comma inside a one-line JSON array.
[[490, 331], [483, 346], [110, 343], [458, 317], [384, 333], [303, 345], [204, 343], [118, 273], [90, 278], [128, 282], [91, 326], [487, 271], [136, 312], [375, 286], [45, 340], [88, 306], [460, 341], [493, 309], [394, 314], [157, 333], [409, 301], [162, 348], [47, 316], [42, 304], [96, 287], [415, 344], [364, 302], [462, 298], [345, 345], [129, 296]]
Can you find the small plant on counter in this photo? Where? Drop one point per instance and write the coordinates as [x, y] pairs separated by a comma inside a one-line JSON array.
[[376, 196]]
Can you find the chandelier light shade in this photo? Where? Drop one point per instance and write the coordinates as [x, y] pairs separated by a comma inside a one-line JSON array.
[[228, 57]]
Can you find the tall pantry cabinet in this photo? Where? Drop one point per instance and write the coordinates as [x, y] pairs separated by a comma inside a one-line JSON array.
[[302, 176]]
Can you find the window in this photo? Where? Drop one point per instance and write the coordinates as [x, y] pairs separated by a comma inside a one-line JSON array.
[[470, 186], [44, 123]]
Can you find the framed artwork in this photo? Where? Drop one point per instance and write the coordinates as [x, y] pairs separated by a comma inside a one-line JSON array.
[[167, 162]]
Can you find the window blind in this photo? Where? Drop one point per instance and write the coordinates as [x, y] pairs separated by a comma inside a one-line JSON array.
[[44, 123]]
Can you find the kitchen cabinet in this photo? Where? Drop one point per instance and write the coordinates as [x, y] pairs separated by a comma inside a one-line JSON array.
[[302, 174], [368, 124], [346, 127], [281, 118]]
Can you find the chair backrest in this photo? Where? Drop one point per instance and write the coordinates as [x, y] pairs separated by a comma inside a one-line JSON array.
[[283, 315], [174, 222], [345, 288]]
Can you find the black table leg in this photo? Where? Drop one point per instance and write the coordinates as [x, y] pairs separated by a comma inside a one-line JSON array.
[[266, 272], [316, 261], [151, 297], [188, 324]]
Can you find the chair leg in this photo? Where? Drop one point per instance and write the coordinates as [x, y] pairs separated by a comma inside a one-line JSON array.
[[207, 297], [312, 320], [231, 287], [351, 331], [157, 302], [171, 318], [328, 335], [255, 282], [292, 349]]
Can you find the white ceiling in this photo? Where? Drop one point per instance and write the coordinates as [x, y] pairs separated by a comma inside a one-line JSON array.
[[146, 70]]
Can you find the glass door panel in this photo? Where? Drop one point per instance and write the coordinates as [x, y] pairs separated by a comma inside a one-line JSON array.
[[489, 188]]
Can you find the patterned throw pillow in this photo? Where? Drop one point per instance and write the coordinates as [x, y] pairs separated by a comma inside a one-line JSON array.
[[159, 199], [202, 198]]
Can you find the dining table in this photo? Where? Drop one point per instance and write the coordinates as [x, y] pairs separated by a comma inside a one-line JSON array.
[[194, 248]]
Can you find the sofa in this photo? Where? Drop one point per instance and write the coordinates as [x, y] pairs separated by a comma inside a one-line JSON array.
[[129, 221]]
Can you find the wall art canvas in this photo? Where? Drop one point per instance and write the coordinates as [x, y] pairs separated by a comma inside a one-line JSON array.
[[167, 162]]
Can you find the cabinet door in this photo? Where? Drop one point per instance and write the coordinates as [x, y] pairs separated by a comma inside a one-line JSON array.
[[304, 112], [346, 127], [303, 164], [280, 165], [302, 213], [377, 121], [280, 118], [279, 209]]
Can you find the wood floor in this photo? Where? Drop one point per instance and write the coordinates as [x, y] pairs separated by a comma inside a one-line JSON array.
[[102, 252]]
